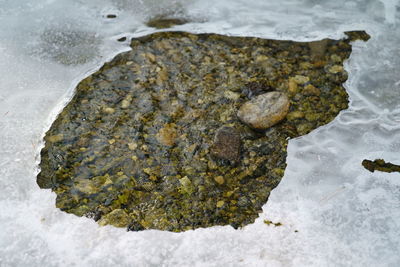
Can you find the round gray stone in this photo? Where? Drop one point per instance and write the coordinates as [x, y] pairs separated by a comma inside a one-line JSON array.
[[264, 110]]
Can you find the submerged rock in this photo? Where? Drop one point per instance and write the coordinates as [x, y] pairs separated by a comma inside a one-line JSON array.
[[163, 22], [140, 145], [264, 110], [226, 145]]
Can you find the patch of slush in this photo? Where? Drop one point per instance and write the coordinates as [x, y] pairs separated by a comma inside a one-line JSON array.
[[343, 214]]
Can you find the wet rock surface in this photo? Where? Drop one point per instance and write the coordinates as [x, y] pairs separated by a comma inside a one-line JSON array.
[[152, 140]]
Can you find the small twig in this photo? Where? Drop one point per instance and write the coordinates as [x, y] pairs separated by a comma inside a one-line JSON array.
[[332, 195]]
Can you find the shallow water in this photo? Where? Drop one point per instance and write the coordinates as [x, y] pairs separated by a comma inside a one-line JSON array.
[[343, 214]]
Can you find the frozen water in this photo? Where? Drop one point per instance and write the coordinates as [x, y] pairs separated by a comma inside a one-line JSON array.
[[344, 215]]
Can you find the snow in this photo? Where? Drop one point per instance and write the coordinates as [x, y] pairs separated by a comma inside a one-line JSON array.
[[343, 214]]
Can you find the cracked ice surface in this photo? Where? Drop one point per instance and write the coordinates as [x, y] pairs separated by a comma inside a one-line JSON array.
[[344, 215]]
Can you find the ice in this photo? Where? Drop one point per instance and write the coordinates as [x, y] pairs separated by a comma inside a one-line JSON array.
[[333, 211]]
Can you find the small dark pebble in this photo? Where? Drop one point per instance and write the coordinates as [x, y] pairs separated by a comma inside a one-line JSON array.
[[226, 144], [254, 89], [122, 39]]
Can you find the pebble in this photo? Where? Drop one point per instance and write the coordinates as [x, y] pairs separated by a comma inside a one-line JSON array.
[[151, 57], [167, 135], [226, 144], [231, 95], [111, 141], [126, 102], [254, 89], [132, 146], [109, 110], [219, 179], [336, 58], [300, 79], [55, 138], [292, 86], [311, 90], [264, 110], [336, 69], [220, 203]]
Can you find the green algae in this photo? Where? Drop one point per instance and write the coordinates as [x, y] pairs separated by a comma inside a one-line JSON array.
[[134, 147]]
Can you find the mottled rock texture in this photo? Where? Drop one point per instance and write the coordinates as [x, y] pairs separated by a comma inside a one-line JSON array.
[[140, 145]]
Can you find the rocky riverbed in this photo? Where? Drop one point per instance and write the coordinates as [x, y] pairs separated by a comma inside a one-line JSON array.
[[159, 137]]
